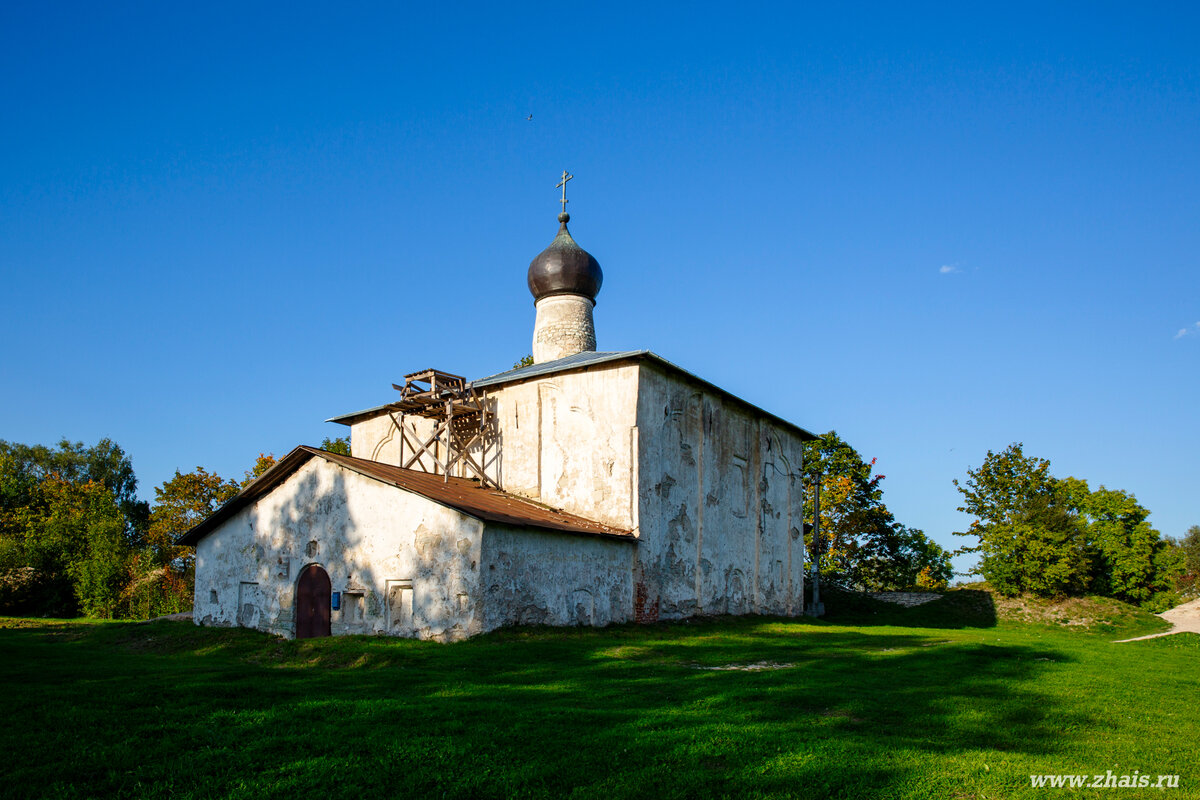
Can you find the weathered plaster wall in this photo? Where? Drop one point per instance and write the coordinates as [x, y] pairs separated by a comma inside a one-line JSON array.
[[548, 578], [563, 327], [406, 566], [570, 441], [566, 440], [378, 439], [711, 488], [720, 505]]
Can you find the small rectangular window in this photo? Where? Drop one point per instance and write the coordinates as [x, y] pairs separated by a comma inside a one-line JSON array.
[[249, 607], [352, 607], [400, 605]]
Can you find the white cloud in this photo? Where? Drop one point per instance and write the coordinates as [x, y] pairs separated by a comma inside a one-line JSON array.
[[1182, 333], [946, 269]]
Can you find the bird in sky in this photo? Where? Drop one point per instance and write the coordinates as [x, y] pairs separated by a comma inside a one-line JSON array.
[[529, 117]]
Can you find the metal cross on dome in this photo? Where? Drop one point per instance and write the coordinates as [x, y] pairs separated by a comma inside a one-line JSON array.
[[563, 183]]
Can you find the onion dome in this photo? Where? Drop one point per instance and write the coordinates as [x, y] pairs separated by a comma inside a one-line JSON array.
[[564, 268]]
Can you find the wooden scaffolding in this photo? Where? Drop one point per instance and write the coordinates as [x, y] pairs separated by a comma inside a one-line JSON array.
[[461, 421]]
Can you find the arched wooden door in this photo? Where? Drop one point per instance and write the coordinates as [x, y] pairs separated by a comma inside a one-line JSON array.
[[312, 602]]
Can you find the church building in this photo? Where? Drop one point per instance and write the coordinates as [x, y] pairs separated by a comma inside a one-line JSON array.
[[588, 488]]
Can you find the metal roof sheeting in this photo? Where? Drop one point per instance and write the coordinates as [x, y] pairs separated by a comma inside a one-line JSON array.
[[489, 505], [577, 361], [354, 416]]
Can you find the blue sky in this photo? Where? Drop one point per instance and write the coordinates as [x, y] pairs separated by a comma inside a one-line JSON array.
[[937, 229]]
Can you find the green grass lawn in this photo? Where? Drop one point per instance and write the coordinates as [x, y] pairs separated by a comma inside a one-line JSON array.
[[875, 704]]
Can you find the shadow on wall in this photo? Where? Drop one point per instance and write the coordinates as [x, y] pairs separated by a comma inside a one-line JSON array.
[[313, 526], [424, 592]]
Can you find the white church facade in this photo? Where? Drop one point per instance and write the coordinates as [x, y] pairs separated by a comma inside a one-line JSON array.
[[586, 489]]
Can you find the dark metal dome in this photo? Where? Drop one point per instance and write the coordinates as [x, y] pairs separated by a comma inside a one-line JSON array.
[[564, 268]]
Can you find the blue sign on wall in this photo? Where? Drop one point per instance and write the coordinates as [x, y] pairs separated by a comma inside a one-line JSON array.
[[335, 600]]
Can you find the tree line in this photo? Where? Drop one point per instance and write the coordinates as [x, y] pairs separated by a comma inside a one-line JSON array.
[[1035, 533], [859, 542], [76, 540], [1038, 534]]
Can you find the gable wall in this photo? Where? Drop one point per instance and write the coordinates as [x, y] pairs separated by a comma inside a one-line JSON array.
[[720, 505], [566, 440], [376, 542], [570, 441], [378, 439]]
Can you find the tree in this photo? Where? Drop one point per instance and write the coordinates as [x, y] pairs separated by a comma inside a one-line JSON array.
[[264, 462], [69, 521], [899, 557], [104, 462], [72, 550], [75, 539], [88, 528], [1030, 539], [861, 543], [162, 574], [526, 361], [1047, 536], [1132, 562], [1186, 556], [339, 445], [181, 503], [1191, 550]]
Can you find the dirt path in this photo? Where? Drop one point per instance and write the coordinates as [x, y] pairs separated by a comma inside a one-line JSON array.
[[1184, 618]]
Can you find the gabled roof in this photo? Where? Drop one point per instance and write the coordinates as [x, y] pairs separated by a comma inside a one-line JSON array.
[[577, 361], [488, 505], [590, 359]]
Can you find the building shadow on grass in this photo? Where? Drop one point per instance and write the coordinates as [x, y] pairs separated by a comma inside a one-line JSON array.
[[731, 707]]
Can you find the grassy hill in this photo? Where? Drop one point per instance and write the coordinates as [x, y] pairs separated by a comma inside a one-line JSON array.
[[873, 702]]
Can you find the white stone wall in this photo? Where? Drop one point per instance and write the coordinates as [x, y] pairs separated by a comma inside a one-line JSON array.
[[570, 441], [547, 578], [563, 327], [378, 439], [406, 566], [720, 505], [567, 440]]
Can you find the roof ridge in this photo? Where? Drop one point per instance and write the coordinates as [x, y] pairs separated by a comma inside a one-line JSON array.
[[573, 360]]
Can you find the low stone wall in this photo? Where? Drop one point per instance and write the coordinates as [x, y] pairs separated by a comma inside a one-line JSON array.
[[906, 599]]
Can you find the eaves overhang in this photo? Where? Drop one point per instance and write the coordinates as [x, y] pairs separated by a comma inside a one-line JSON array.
[[460, 494]]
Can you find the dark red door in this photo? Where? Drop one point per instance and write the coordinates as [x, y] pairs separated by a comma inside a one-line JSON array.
[[312, 603]]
